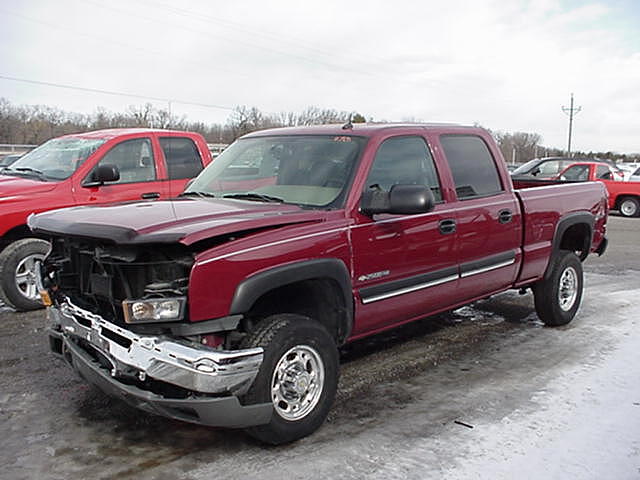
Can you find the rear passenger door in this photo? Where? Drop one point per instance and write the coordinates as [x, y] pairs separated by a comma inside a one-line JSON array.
[[137, 164], [183, 162], [488, 219]]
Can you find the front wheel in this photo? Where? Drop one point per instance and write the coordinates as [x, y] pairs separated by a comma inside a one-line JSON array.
[[299, 376], [17, 273], [629, 207], [557, 297]]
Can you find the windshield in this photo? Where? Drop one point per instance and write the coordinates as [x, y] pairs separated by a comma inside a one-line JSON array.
[[305, 170], [522, 169], [543, 168], [56, 159]]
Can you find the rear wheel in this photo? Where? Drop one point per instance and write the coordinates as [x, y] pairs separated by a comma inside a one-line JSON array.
[[17, 273], [299, 376], [629, 207], [558, 296]]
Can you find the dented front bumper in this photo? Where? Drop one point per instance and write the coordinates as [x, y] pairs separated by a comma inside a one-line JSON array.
[[119, 361]]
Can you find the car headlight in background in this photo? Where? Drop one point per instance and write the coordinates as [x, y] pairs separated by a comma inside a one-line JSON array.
[[154, 310]]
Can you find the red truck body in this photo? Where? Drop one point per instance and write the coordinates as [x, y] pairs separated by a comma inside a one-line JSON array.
[[352, 270], [22, 196], [24, 192], [623, 196]]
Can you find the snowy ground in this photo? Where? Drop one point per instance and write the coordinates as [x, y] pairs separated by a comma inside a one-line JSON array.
[[486, 393]]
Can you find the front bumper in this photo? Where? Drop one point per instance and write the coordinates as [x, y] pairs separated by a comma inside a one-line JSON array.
[[200, 370]]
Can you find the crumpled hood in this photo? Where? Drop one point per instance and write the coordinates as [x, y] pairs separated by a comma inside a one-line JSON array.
[[20, 186], [183, 220]]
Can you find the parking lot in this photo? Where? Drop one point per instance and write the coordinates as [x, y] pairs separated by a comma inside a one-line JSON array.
[[483, 392]]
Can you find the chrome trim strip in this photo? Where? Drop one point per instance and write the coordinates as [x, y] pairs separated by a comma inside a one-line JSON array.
[[413, 288], [488, 268]]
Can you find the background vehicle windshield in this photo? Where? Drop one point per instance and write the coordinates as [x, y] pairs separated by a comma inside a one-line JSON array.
[[543, 168], [56, 159], [305, 170]]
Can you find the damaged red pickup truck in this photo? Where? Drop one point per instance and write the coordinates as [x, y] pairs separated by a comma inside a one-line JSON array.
[[226, 307]]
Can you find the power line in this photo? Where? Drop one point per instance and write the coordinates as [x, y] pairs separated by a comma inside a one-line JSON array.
[[111, 92], [67, 29], [277, 36], [251, 46]]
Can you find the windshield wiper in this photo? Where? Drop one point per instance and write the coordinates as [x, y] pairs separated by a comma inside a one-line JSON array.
[[260, 197], [24, 170], [197, 194]]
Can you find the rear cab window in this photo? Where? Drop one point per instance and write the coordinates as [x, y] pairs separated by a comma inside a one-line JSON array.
[[182, 157], [474, 170]]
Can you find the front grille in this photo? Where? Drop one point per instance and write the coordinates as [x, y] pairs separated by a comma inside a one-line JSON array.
[[99, 277]]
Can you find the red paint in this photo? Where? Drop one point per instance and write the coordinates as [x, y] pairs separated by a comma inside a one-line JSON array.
[[404, 245], [20, 197], [375, 250]]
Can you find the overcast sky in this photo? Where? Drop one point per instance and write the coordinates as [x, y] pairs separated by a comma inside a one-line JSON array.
[[507, 65]]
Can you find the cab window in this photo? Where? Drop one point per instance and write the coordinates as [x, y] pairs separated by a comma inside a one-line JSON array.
[[182, 157], [473, 168], [134, 159], [577, 173], [404, 161]]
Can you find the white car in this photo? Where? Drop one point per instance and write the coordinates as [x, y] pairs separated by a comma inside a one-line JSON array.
[[635, 175], [629, 169]]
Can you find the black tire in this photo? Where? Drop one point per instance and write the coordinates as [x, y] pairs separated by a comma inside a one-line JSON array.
[[629, 207], [278, 335], [10, 259], [565, 275]]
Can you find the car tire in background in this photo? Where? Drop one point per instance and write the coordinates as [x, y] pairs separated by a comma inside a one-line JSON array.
[[17, 273], [629, 207]]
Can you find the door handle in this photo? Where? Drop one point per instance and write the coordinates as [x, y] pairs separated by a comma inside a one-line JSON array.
[[150, 195], [447, 226], [505, 216]]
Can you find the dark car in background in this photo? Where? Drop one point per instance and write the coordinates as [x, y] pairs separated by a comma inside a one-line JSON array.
[[7, 160]]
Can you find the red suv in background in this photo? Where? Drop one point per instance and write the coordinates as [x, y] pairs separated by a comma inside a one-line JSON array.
[[84, 169]]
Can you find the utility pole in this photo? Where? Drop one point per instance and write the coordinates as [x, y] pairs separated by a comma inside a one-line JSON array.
[[571, 111]]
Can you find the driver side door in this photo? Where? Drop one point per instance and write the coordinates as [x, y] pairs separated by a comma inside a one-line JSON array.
[[405, 266], [137, 164]]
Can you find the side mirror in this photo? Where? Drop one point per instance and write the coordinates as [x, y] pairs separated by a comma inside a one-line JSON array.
[[400, 200], [102, 174], [535, 171]]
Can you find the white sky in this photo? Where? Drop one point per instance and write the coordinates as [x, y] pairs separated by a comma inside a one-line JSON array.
[[506, 64]]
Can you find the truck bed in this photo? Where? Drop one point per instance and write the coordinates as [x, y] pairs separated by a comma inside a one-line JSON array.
[[543, 202]]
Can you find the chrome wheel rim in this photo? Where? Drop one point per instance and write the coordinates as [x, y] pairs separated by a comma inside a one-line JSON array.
[[297, 382], [568, 291], [628, 208], [25, 277]]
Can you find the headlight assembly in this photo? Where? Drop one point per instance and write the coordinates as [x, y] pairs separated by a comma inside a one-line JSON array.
[[154, 310]]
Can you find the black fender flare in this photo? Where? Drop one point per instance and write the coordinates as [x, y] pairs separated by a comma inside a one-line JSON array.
[[254, 286], [569, 221]]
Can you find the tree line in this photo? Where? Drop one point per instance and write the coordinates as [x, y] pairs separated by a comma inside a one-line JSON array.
[[34, 124]]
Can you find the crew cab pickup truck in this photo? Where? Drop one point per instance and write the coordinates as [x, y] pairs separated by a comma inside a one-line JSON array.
[[82, 169], [226, 307]]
